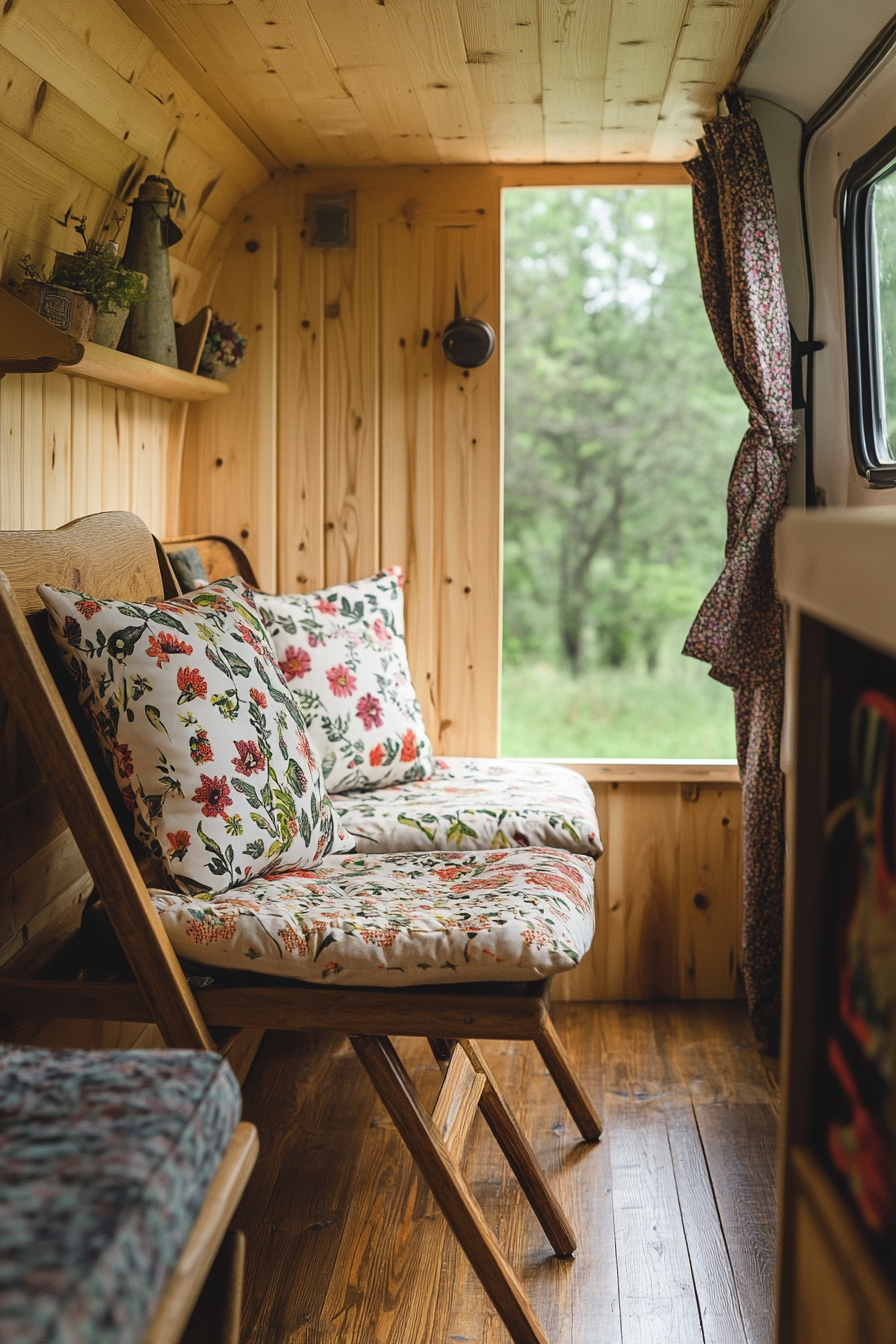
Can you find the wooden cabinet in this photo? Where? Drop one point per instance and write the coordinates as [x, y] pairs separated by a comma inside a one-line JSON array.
[[837, 1256]]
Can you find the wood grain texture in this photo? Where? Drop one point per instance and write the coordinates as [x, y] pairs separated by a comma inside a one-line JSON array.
[[112, 556], [229, 471], [346, 1245], [453, 81], [740, 1143], [498, 1278]]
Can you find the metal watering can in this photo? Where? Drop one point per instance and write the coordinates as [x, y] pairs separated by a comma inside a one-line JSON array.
[[149, 330]]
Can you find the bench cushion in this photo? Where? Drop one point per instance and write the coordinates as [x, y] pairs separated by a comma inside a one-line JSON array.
[[476, 803], [398, 919], [105, 1159], [343, 653]]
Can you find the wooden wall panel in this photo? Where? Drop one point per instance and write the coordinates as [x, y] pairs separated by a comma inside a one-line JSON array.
[[407, 498], [385, 453], [351, 407], [667, 894], [230, 459]]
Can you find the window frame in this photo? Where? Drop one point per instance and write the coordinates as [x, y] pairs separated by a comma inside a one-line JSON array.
[[875, 456]]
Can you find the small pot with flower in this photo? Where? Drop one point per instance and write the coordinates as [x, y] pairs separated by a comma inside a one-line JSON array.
[[224, 349], [89, 293]]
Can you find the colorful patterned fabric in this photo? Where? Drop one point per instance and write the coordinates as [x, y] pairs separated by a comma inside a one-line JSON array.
[[475, 803], [739, 628], [200, 731], [342, 651], [398, 920], [105, 1159]]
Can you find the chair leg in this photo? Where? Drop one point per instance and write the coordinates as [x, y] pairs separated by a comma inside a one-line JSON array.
[[450, 1190], [558, 1065], [522, 1160]]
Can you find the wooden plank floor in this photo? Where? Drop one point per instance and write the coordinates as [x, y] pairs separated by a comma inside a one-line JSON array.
[[674, 1208]]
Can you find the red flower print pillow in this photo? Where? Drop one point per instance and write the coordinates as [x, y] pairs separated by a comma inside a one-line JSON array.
[[343, 655], [205, 741]]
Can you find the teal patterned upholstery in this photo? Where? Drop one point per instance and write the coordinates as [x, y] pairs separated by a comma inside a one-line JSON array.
[[105, 1159]]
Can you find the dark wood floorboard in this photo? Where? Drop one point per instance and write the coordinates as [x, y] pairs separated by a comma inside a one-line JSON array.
[[674, 1208]]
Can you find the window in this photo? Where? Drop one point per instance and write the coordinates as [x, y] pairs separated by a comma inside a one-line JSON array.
[[869, 265], [621, 425]]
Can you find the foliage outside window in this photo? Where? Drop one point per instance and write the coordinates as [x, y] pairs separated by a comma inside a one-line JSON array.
[[621, 427]]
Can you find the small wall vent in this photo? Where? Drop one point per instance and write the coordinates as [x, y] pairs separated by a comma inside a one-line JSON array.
[[331, 220]]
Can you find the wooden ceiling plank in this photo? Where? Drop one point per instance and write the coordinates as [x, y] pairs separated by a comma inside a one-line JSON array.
[[35, 186], [289, 35], [65, 62], [503, 57], [391, 110], [430, 42], [218, 37], [291, 40], [106, 30], [56, 125], [358, 38], [643, 41], [511, 112], [195, 118], [574, 42], [148, 17], [709, 50]]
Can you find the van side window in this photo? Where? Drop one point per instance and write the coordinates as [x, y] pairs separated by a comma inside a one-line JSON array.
[[869, 267]]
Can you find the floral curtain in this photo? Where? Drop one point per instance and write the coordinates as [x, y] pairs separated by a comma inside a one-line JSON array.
[[740, 626]]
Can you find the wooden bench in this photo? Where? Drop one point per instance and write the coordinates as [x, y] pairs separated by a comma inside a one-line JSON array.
[[114, 556]]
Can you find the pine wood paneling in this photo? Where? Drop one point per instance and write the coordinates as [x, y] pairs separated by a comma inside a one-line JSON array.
[[351, 407], [667, 894], [230, 457], [408, 504], [353, 82]]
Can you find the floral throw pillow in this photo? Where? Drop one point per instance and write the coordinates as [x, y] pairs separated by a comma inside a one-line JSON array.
[[343, 655], [204, 739]]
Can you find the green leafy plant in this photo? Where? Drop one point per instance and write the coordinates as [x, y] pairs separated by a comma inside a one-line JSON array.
[[96, 272]]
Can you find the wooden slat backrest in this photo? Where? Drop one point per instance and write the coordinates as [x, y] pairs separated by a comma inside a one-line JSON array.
[[108, 555], [221, 556], [105, 554]]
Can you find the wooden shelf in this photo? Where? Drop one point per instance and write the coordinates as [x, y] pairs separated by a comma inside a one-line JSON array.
[[119, 370]]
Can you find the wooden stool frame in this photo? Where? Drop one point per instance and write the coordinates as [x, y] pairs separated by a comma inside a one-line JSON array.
[[114, 556]]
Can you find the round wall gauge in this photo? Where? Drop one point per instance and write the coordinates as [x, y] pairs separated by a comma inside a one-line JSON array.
[[468, 342]]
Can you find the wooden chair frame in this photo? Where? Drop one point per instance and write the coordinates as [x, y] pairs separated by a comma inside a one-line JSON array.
[[223, 557], [209, 1248], [113, 555]]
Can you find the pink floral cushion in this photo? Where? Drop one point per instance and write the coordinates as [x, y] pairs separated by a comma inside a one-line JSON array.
[[398, 919], [200, 731], [342, 651]]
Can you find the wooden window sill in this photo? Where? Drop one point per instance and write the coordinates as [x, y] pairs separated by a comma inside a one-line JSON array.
[[650, 771]]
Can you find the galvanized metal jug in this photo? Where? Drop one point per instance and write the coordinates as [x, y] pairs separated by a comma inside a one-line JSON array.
[[149, 330]]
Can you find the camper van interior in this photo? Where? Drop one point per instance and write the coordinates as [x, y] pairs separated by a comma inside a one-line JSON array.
[[389, 389]]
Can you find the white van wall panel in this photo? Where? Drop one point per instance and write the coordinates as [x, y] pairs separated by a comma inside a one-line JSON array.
[[859, 125]]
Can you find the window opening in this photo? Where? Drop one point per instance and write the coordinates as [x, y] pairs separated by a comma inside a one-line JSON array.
[[621, 427], [869, 269]]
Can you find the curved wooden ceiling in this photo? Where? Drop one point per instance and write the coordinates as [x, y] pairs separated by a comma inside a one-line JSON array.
[[367, 82]]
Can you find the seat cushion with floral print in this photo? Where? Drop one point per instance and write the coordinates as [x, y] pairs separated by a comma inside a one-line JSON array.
[[201, 732], [398, 919], [473, 802], [105, 1159], [343, 654]]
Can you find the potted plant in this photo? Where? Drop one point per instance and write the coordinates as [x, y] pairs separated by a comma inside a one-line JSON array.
[[89, 293], [224, 349]]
